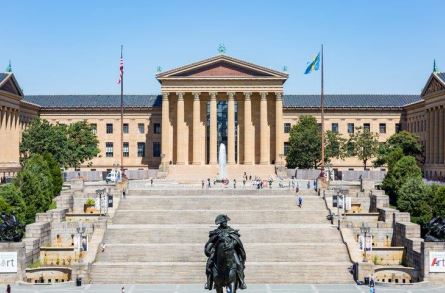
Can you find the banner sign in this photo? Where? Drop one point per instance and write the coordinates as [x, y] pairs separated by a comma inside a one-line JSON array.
[[362, 244], [8, 262], [437, 261]]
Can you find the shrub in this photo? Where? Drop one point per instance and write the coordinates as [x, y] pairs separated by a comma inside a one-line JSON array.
[[13, 201], [35, 183], [90, 202], [414, 196], [56, 173]]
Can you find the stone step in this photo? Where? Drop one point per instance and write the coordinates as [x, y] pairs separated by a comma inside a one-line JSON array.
[[295, 216], [218, 191], [307, 233], [194, 272], [216, 202], [193, 252]]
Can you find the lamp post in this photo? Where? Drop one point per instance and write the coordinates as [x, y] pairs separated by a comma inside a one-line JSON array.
[[100, 192], [365, 230], [80, 231]]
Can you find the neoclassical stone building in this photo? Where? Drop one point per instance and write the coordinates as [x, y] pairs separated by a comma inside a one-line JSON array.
[[223, 100]]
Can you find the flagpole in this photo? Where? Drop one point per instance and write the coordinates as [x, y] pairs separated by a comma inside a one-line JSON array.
[[122, 117], [322, 115]]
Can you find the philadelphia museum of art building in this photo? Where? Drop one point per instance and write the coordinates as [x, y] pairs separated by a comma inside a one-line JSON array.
[[220, 100]]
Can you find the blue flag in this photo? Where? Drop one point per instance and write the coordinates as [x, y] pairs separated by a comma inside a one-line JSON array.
[[314, 65]]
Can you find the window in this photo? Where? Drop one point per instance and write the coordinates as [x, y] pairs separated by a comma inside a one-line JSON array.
[[398, 129], [367, 126], [108, 149], [126, 151], [382, 127], [125, 128], [141, 128], [157, 128], [156, 149], [141, 149], [334, 127], [286, 148], [109, 128], [351, 128], [286, 127], [94, 128]]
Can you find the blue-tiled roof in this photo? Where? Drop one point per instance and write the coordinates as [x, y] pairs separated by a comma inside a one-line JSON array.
[[289, 101], [95, 101], [349, 101], [2, 76], [441, 75]]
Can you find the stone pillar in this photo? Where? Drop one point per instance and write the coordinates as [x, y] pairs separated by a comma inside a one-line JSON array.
[[436, 136], [249, 153], [430, 136], [180, 129], [279, 130], [231, 129], [441, 137], [196, 136], [213, 130], [264, 132], [165, 141]]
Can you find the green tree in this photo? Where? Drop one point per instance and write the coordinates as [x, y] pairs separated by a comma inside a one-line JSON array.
[[42, 137], [404, 143], [365, 144], [69, 145], [82, 143], [304, 144], [12, 197], [414, 198], [404, 169], [335, 146], [438, 200], [35, 183], [56, 173]]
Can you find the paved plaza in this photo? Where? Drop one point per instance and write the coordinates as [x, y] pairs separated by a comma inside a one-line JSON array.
[[253, 288]]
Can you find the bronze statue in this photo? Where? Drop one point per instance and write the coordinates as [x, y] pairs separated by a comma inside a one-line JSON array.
[[226, 257], [10, 228], [435, 230]]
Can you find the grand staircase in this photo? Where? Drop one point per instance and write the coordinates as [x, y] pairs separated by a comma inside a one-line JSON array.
[[157, 236]]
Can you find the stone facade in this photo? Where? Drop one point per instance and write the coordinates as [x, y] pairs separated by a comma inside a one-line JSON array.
[[181, 127]]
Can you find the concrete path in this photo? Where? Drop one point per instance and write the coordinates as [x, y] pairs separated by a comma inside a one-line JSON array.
[[253, 288]]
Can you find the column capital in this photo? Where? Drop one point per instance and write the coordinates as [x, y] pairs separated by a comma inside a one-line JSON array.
[[196, 95], [279, 95], [180, 95], [165, 95], [231, 95], [247, 95], [263, 95], [213, 95]]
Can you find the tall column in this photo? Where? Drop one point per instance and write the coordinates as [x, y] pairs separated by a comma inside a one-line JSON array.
[[213, 130], [249, 153], [279, 130], [264, 132], [436, 135], [196, 136], [231, 129], [441, 137], [180, 158], [430, 136], [165, 141]]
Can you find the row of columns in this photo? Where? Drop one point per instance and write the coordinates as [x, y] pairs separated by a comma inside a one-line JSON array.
[[248, 146], [435, 152]]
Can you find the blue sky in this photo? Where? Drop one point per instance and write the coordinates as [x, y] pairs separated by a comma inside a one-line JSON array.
[[72, 47]]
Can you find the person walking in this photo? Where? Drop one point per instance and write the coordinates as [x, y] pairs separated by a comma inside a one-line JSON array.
[[300, 201], [208, 183], [202, 184], [151, 182], [244, 182], [371, 284], [8, 289], [123, 289], [234, 183]]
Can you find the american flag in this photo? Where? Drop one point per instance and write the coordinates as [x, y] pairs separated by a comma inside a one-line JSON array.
[[121, 69]]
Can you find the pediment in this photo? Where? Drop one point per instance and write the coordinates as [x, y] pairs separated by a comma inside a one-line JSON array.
[[10, 85], [434, 84], [222, 67]]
